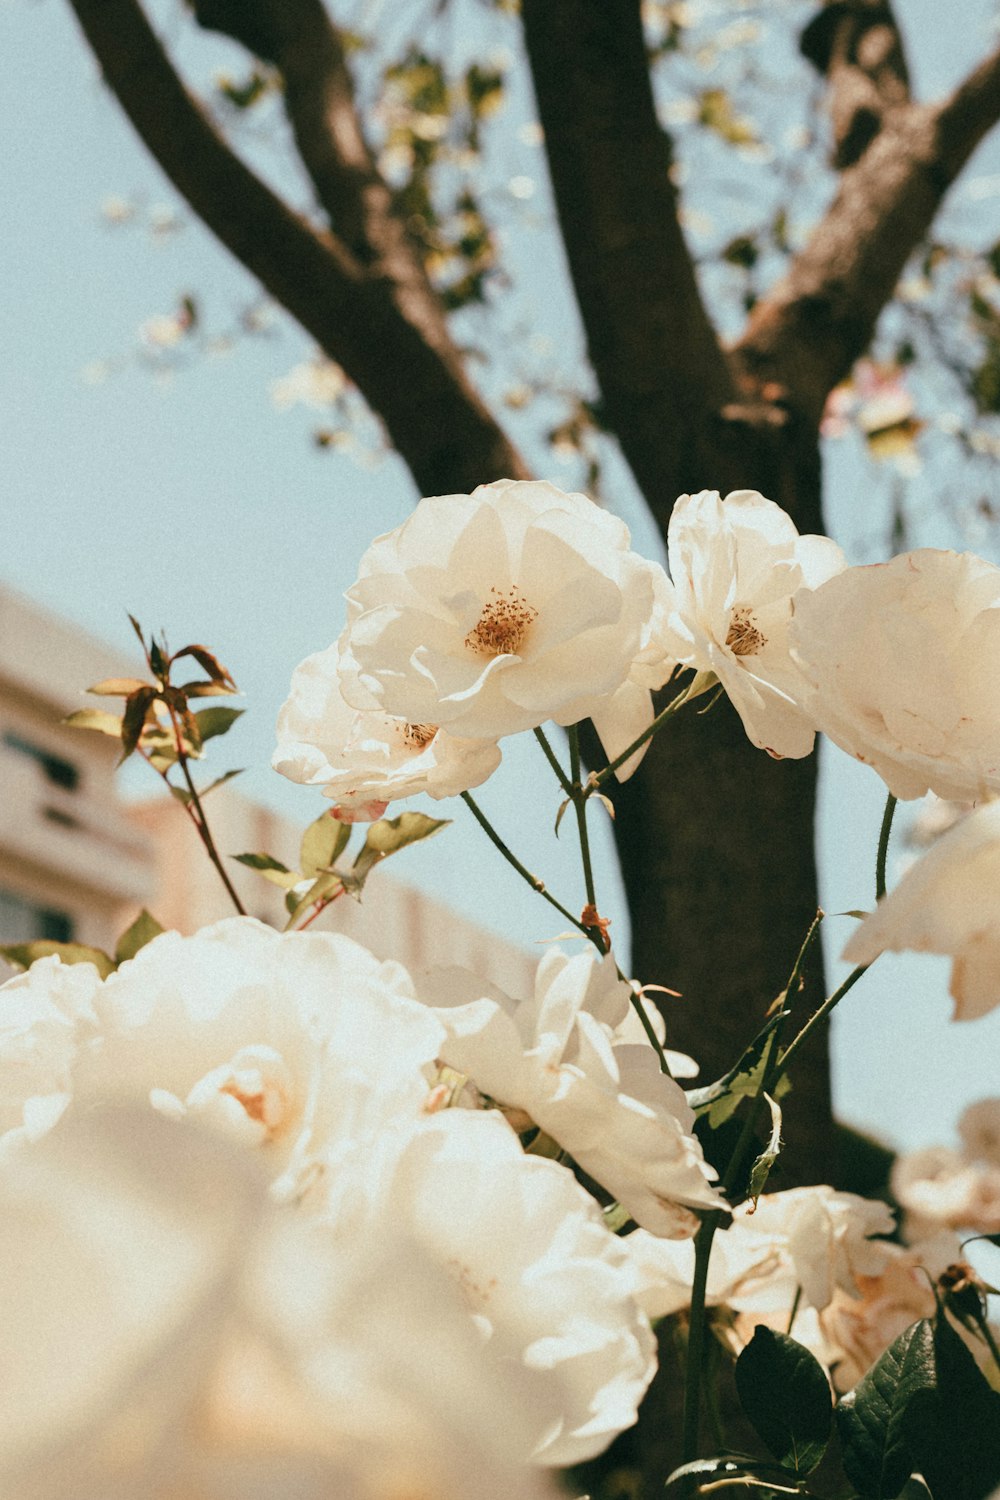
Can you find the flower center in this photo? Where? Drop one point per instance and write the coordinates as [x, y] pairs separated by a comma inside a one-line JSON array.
[[417, 736], [502, 625], [744, 638]]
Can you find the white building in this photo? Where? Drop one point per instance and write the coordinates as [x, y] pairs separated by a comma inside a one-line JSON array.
[[78, 862]]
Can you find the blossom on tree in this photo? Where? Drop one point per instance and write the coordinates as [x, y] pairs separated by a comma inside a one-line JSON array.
[[735, 566], [903, 666], [362, 758], [490, 613], [948, 902], [554, 1060]]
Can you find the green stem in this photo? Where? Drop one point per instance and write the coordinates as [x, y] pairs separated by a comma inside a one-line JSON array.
[[648, 1028], [579, 797], [807, 943], [696, 1337], [822, 1013], [198, 817], [795, 1310], [525, 874], [987, 1333], [597, 780], [883, 846], [553, 761]]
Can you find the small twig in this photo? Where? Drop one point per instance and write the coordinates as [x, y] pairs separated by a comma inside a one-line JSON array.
[[199, 818]]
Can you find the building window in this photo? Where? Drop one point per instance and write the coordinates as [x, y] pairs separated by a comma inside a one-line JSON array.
[[60, 772], [23, 921]]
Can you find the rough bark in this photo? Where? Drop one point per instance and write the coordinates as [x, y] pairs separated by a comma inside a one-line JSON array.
[[373, 325], [653, 349], [857, 46]]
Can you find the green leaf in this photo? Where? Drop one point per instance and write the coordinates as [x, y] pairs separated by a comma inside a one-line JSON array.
[[98, 719], [215, 721], [952, 1429], [272, 869], [324, 887], [322, 843], [208, 663], [874, 1452], [117, 687], [137, 706], [386, 837], [25, 954], [142, 931], [720, 1100], [785, 1393], [761, 1169]]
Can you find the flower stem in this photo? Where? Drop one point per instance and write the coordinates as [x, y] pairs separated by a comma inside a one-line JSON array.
[[696, 1337], [987, 1333], [579, 797], [525, 874], [822, 1013], [553, 761], [883, 846], [600, 777], [199, 819]]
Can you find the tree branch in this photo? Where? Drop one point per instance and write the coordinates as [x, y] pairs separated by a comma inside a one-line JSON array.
[[652, 347], [856, 44], [360, 317], [820, 317]]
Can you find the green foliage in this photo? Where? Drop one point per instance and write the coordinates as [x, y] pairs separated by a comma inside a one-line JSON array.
[[142, 931], [388, 836], [23, 955], [761, 1169], [323, 843], [272, 869], [784, 1392], [720, 1100], [952, 1427], [874, 1452]]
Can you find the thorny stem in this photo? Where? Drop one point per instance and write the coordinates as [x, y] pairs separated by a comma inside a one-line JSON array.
[[883, 846], [320, 908], [822, 1013], [774, 1064], [553, 761], [598, 779], [579, 796], [198, 816], [525, 874]]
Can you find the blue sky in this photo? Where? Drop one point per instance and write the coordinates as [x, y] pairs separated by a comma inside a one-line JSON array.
[[200, 507]]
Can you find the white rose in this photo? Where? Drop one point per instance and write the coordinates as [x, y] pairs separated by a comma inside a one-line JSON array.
[[947, 902], [903, 662], [301, 1043], [362, 758], [43, 1014], [169, 1334], [828, 1236], [937, 1186], [542, 1278], [979, 1127], [735, 565], [490, 613], [556, 1057]]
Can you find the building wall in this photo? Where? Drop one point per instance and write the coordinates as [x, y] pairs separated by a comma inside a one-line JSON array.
[[77, 861]]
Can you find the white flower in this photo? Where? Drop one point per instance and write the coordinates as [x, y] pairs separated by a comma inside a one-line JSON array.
[[828, 1237], [948, 902], [979, 1127], [41, 1015], [543, 1279], [938, 1187], [362, 758], [903, 662], [300, 1043], [170, 1335], [556, 1058], [736, 564], [490, 613], [813, 1237]]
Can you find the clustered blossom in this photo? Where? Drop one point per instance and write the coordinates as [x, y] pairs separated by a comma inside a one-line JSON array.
[[941, 1187], [556, 1060], [315, 1060]]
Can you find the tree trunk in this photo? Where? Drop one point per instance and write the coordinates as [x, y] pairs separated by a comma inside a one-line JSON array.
[[716, 842]]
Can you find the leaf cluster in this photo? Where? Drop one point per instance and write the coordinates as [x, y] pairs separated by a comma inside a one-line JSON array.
[[322, 875], [924, 1409]]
